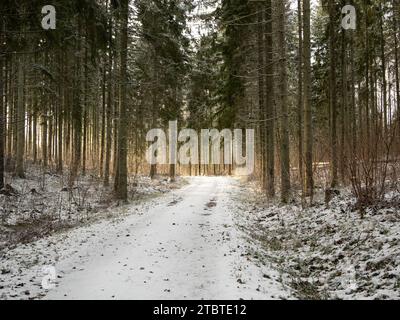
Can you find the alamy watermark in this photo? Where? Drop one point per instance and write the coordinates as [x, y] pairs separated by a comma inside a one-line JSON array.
[[205, 149], [49, 20], [349, 21]]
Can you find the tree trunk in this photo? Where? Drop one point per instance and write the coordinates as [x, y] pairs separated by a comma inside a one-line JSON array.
[[308, 134], [384, 81], [396, 64], [332, 96], [61, 106], [367, 80], [122, 172], [85, 115], [109, 105], [261, 88], [44, 139], [353, 112], [77, 114], [344, 113], [103, 117], [283, 103], [269, 112], [19, 169], [300, 102], [2, 118]]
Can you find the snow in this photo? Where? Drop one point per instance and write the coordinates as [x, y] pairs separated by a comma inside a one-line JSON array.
[[183, 245], [42, 203], [210, 238], [327, 252]]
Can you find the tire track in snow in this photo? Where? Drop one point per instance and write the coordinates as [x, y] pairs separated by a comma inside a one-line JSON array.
[[185, 247]]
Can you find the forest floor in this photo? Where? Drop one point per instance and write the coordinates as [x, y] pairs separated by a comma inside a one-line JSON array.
[[182, 245], [212, 238], [42, 203], [326, 251]]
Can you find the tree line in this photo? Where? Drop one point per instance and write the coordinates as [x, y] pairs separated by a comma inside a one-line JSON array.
[[324, 101], [319, 95]]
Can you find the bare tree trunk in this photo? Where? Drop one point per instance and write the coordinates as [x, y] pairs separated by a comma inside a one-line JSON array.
[[44, 138], [61, 107], [19, 169], [332, 96], [122, 172], [2, 117], [396, 56], [269, 112], [35, 131], [50, 137], [103, 117], [11, 116], [367, 80], [261, 88], [85, 115], [308, 134], [353, 120], [109, 126], [77, 114], [283, 103], [384, 81], [344, 114], [300, 102], [109, 104], [153, 167]]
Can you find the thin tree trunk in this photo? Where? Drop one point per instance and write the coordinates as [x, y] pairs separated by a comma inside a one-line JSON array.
[[50, 137], [109, 103], [19, 169], [2, 117], [308, 134], [396, 56], [153, 167], [44, 138], [261, 88], [77, 114], [384, 81], [11, 116], [61, 107], [344, 114], [300, 102], [283, 103], [85, 115], [103, 117], [367, 81], [332, 96], [122, 172], [109, 130], [353, 121], [269, 112]]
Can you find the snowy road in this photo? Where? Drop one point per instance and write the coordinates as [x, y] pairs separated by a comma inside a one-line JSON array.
[[184, 247]]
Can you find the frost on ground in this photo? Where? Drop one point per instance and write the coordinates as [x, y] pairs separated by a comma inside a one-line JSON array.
[[327, 252], [183, 245], [43, 203], [213, 238]]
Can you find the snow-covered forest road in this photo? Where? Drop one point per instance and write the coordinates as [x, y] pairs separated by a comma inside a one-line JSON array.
[[184, 247]]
